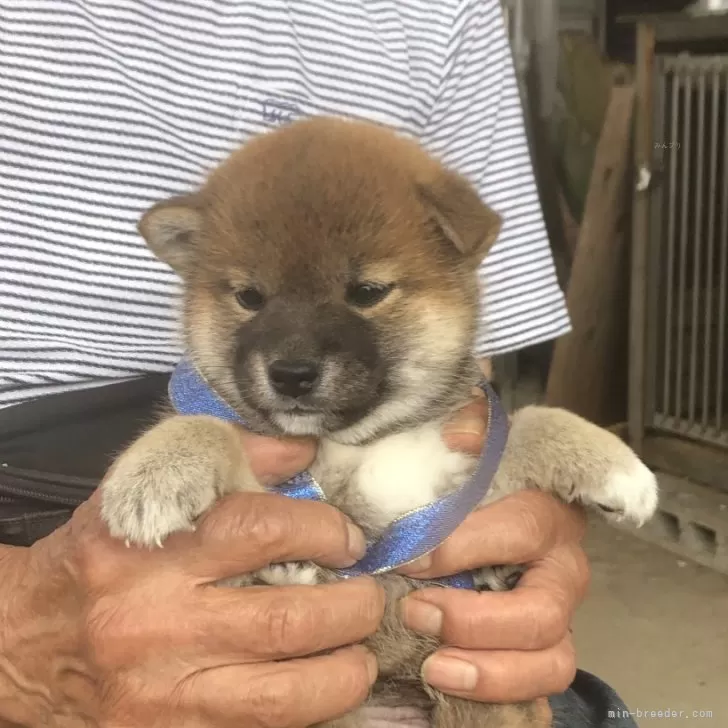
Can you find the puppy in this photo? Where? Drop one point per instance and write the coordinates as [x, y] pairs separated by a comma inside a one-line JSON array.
[[330, 290]]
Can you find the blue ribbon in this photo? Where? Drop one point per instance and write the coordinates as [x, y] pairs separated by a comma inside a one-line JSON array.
[[409, 537]]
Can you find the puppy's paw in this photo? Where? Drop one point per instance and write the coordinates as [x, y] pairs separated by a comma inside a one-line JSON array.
[[170, 476], [498, 578], [292, 573], [147, 496], [627, 493], [557, 451]]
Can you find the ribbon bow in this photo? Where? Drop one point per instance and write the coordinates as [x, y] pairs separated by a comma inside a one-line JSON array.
[[410, 536]]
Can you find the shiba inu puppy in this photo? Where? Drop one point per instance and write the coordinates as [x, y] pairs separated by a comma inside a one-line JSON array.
[[330, 289]]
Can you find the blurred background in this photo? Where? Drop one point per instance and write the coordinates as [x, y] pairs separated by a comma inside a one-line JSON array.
[[627, 110]]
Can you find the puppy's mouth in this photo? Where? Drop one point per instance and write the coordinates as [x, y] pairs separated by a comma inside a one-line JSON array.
[[295, 408], [298, 409], [302, 418]]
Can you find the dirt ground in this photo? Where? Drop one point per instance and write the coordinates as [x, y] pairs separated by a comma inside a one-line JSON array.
[[656, 629]]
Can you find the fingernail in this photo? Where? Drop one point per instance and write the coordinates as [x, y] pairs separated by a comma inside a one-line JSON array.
[[465, 426], [449, 673], [357, 545], [421, 616], [422, 564]]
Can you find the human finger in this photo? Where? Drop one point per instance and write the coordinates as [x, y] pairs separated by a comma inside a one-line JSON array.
[[494, 676], [535, 615], [517, 529]]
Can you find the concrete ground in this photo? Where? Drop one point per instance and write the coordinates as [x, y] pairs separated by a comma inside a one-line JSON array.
[[655, 628]]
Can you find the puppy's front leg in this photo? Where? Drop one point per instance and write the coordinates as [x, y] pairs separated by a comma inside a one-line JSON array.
[[555, 450], [171, 475], [559, 452]]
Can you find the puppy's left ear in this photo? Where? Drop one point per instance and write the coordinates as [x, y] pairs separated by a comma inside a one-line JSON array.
[[462, 217], [172, 230]]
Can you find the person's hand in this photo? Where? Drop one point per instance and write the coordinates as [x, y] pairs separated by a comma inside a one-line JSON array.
[[94, 632], [508, 646]]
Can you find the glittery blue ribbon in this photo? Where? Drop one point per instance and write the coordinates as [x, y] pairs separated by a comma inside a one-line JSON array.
[[409, 537]]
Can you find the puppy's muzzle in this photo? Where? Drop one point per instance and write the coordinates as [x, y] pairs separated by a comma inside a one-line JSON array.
[[293, 377]]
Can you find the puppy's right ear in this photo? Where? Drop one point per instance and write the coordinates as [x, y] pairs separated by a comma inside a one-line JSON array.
[[172, 230]]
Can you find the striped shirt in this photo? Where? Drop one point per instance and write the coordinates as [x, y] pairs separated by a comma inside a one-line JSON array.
[[107, 106]]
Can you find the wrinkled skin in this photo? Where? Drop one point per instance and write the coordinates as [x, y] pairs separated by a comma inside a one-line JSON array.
[[93, 633]]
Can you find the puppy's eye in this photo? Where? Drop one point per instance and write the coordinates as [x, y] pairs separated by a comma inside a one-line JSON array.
[[250, 299], [365, 295]]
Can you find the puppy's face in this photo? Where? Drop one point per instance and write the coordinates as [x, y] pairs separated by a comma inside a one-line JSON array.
[[330, 278]]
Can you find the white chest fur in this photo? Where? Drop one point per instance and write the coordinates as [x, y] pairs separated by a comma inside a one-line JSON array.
[[393, 475]]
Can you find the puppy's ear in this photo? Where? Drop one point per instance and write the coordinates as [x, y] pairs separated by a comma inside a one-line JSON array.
[[172, 230], [462, 217]]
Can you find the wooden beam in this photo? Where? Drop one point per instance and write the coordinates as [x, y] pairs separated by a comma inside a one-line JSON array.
[[695, 461]]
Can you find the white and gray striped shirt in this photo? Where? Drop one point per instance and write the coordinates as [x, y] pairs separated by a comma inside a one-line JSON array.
[[107, 106]]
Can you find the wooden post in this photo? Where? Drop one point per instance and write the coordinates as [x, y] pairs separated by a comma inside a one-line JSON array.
[[584, 375], [640, 237]]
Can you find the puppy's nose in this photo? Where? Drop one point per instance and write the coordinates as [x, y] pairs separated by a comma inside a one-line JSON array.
[[293, 377]]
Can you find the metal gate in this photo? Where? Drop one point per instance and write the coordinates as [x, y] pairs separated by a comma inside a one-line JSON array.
[[686, 378]]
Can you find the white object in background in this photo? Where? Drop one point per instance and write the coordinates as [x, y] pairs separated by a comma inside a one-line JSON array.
[[705, 7], [643, 179]]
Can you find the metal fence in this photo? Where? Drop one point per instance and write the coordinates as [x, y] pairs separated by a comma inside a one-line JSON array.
[[687, 267]]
